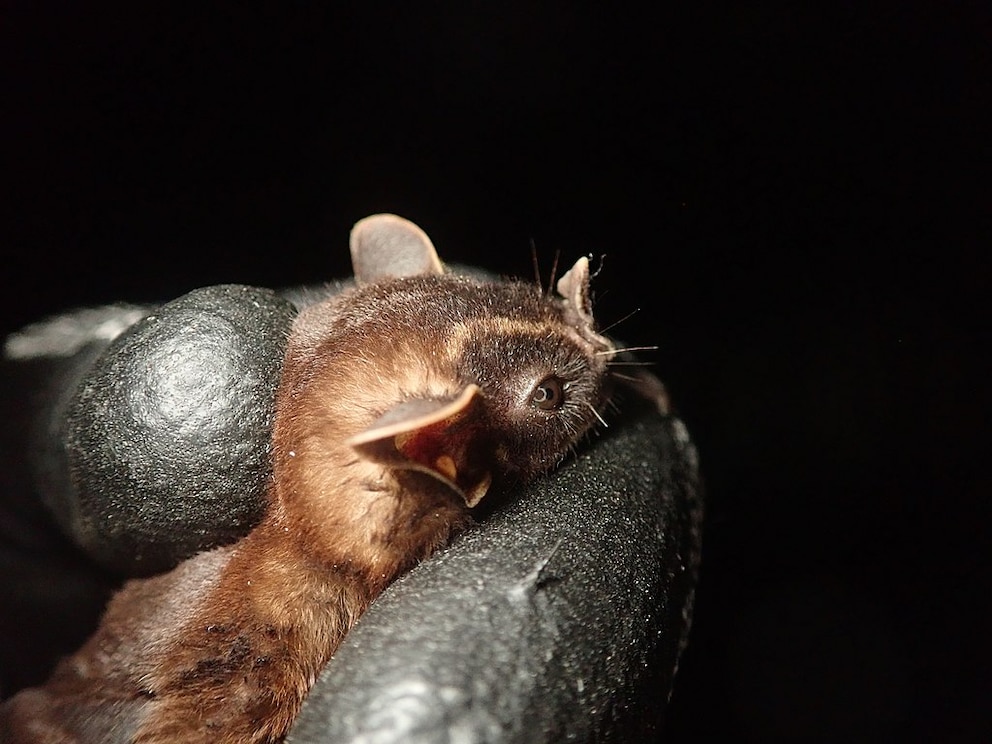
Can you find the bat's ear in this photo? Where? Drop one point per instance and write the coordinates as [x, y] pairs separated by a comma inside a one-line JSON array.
[[443, 438], [574, 287], [385, 246]]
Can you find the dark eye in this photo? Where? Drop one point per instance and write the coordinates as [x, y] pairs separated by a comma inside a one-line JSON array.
[[548, 394]]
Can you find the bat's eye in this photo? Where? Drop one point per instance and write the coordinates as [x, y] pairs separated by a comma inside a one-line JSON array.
[[548, 394]]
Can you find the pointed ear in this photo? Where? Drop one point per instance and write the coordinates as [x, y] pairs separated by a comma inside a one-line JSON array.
[[443, 438], [574, 287], [385, 246]]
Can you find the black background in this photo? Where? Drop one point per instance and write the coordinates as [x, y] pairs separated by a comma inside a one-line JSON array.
[[794, 201]]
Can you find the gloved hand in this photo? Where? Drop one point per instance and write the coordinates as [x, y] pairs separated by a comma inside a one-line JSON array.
[[561, 615]]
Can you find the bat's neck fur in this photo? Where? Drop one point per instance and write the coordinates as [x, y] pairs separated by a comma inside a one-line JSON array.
[[283, 602], [345, 511]]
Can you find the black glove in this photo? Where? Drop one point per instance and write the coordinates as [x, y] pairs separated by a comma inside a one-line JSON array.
[[560, 616]]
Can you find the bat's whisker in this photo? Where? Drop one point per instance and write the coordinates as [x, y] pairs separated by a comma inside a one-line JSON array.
[[615, 323], [627, 348], [620, 376], [554, 272], [595, 413]]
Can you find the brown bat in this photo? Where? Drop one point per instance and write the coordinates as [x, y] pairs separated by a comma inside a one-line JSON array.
[[402, 399]]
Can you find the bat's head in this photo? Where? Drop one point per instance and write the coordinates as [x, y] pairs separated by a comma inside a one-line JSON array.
[[479, 381]]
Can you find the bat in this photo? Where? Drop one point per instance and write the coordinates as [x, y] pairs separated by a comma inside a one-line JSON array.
[[403, 400]]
